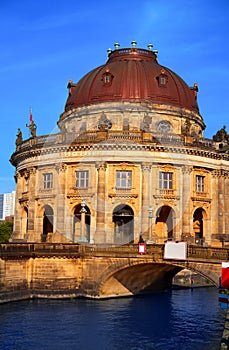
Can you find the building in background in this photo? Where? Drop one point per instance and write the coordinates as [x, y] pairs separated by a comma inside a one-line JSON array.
[[1, 206], [7, 205], [130, 160]]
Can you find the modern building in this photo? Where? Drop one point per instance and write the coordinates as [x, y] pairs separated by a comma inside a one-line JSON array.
[[1, 206], [7, 205], [129, 160]]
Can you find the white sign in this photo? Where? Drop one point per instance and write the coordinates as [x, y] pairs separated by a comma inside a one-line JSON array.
[[175, 250]]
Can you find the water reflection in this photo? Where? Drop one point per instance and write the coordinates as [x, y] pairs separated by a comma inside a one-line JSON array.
[[174, 320]]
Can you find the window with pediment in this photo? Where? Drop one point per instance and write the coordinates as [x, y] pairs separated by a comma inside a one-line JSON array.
[[124, 179], [162, 79], [82, 177], [107, 78], [165, 180], [200, 183], [47, 181]]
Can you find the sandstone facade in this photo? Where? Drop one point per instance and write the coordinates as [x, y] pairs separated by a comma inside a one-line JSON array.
[[125, 163]]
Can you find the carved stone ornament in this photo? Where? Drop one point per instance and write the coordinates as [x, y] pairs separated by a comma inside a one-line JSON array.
[[61, 168], [100, 166]]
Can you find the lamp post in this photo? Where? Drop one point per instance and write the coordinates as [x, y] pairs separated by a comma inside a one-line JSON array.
[[83, 212]]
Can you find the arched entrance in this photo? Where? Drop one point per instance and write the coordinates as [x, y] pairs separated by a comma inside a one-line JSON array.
[[165, 222], [47, 222], [24, 222], [81, 223], [198, 226], [123, 218]]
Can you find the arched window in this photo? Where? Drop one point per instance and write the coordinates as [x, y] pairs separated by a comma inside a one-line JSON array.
[[198, 226], [165, 223], [47, 222], [79, 232]]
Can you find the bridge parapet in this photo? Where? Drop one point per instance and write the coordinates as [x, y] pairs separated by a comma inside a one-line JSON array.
[[208, 253], [79, 250]]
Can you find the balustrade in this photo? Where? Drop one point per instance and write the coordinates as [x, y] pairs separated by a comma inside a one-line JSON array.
[[31, 249]]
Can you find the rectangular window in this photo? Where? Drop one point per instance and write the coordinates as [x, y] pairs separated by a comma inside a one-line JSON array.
[[166, 180], [123, 179], [48, 181], [82, 179], [199, 183]]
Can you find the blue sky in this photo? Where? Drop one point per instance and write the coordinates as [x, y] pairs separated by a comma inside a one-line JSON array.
[[45, 43]]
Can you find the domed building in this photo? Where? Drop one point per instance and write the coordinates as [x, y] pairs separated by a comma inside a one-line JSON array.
[[129, 161]]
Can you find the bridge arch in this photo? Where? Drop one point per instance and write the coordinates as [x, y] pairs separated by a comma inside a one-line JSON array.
[[135, 277]]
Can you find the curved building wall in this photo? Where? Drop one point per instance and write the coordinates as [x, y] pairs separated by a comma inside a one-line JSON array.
[[124, 166], [112, 185]]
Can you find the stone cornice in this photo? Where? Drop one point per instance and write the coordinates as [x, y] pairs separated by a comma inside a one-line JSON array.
[[116, 145]]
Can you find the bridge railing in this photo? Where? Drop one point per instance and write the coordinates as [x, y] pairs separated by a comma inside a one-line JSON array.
[[74, 249], [31, 249], [208, 253]]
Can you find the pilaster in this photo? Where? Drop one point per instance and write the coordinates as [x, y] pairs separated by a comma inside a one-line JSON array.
[[146, 223], [101, 208], [186, 189], [60, 199]]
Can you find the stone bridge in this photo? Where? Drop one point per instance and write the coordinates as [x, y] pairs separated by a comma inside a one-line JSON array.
[[56, 270]]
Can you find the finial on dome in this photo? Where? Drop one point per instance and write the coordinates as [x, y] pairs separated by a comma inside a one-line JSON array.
[[155, 52], [150, 47], [109, 51], [134, 44], [116, 45]]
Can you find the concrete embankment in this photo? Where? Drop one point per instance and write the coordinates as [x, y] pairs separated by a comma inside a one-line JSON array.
[[224, 344]]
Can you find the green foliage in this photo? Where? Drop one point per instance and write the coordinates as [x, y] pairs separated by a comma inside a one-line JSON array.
[[6, 229]]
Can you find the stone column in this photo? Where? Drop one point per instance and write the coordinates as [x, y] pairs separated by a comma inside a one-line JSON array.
[[186, 200], [100, 234], [32, 235], [226, 198], [83, 233], [221, 207], [214, 204], [17, 234], [60, 201], [146, 217]]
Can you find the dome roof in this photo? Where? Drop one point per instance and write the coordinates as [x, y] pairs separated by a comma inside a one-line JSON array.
[[132, 74]]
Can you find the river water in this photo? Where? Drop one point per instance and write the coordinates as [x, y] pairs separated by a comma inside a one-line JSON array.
[[176, 320]]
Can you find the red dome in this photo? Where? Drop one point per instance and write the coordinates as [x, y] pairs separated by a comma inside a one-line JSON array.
[[132, 74]]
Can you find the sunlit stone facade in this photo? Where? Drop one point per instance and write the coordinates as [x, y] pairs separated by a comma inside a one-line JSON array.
[[129, 160]]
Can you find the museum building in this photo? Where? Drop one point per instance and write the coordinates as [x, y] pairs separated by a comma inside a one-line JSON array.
[[129, 160]]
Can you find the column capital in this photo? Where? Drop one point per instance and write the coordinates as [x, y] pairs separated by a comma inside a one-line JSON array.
[[146, 167], [101, 166], [61, 168], [186, 169]]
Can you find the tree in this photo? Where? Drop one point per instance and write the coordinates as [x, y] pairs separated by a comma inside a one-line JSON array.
[[6, 229]]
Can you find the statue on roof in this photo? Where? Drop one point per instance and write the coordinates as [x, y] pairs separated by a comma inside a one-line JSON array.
[[185, 128], [32, 128], [221, 135], [19, 138]]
